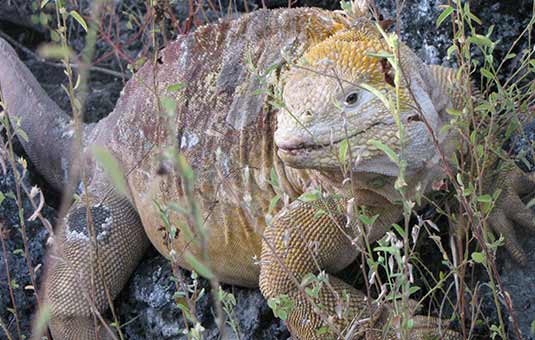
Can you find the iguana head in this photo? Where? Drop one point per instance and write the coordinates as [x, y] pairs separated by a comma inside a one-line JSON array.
[[325, 104]]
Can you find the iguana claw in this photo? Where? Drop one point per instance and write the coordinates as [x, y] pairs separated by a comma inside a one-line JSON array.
[[510, 212]]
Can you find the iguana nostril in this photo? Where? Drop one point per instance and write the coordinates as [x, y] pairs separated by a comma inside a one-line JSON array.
[[308, 113]]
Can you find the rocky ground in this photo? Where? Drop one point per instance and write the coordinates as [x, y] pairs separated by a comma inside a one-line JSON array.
[[146, 305], [15, 260]]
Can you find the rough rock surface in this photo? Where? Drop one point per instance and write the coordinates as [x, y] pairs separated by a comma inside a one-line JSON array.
[[17, 12], [147, 305], [419, 31], [519, 283], [149, 301], [18, 269]]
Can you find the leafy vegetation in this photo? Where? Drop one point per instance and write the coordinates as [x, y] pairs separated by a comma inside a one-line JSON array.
[[494, 108]]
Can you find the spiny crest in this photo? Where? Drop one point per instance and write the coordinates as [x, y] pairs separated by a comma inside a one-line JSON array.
[[327, 24], [360, 8], [321, 27], [349, 50]]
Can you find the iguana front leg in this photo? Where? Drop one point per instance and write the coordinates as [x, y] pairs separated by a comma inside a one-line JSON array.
[[80, 277], [509, 209], [302, 241]]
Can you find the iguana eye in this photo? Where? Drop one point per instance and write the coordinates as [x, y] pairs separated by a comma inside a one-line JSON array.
[[351, 99]]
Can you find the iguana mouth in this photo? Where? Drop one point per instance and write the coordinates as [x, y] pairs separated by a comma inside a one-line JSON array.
[[302, 147]]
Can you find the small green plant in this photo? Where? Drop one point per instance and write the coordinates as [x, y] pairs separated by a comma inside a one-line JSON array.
[[281, 306], [229, 303]]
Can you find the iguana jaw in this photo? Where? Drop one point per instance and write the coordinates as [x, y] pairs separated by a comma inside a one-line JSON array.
[[294, 147], [303, 152]]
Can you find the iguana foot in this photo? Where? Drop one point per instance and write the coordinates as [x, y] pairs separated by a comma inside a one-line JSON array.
[[510, 211], [88, 267]]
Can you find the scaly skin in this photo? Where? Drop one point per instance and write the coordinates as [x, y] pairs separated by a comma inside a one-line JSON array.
[[225, 127]]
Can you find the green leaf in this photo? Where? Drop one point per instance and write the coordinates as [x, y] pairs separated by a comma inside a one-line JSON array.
[[343, 151], [481, 40], [43, 20], [532, 327], [112, 168], [53, 51], [487, 74], [478, 257], [484, 199], [281, 305], [22, 134], [473, 17], [310, 196], [78, 18], [389, 250], [2, 197], [346, 6], [368, 220], [450, 51], [312, 292], [322, 330], [400, 230], [530, 204], [380, 55], [413, 290], [185, 309], [410, 324], [40, 322], [468, 191], [175, 207], [318, 214], [365, 219], [274, 178], [273, 203], [34, 19], [444, 15], [453, 112], [386, 149], [460, 179], [176, 87], [308, 279], [185, 169], [198, 266], [169, 106], [376, 93]]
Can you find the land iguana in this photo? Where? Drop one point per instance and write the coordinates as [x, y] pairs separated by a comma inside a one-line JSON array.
[[228, 128]]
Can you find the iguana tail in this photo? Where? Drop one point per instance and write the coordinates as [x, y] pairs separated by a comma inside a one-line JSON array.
[[49, 129]]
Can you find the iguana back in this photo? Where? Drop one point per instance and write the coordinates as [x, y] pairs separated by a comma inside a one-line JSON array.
[[223, 126]]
